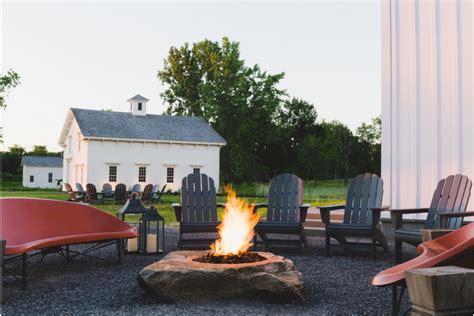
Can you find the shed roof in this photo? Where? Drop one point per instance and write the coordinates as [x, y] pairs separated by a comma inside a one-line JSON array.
[[124, 125], [42, 161]]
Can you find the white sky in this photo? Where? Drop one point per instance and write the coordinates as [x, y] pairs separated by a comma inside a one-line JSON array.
[[97, 55]]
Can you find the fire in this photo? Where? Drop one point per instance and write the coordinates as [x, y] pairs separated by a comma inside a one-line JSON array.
[[237, 228]]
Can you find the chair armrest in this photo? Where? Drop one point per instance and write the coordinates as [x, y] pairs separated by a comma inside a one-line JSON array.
[[304, 212], [397, 215], [222, 205], [260, 205], [444, 216], [377, 212], [177, 211], [324, 212], [410, 210], [332, 207]]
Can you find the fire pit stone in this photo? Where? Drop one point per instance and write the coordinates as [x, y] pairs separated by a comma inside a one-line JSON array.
[[177, 278]]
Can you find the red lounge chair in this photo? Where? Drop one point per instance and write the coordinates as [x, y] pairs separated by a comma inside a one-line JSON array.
[[456, 248], [51, 226]]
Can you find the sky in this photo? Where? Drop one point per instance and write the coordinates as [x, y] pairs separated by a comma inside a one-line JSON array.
[[96, 55]]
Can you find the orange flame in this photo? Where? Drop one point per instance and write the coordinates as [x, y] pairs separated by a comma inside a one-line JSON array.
[[236, 230]]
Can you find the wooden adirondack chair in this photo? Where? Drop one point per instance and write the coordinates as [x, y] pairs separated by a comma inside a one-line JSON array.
[[361, 214], [120, 194], [107, 191], [155, 195], [92, 195], [80, 189], [137, 189], [146, 194], [197, 212], [286, 212], [451, 196], [74, 196]]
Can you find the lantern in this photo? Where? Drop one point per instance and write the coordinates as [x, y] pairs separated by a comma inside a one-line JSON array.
[[151, 232], [133, 206]]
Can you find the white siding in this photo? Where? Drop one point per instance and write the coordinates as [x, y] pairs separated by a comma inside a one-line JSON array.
[[427, 104], [40, 175], [156, 157], [75, 156]]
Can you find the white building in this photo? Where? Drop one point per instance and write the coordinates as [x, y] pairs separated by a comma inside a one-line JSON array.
[[427, 106], [41, 172], [136, 147]]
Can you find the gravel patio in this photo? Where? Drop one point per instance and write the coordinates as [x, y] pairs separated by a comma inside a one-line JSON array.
[[339, 284]]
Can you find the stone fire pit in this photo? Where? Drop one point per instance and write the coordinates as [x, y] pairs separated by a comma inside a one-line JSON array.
[[177, 278]]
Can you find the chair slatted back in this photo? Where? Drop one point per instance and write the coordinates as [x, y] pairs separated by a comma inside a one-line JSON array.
[[198, 198], [79, 188], [451, 195], [120, 193], [70, 191], [284, 199], [146, 195], [91, 192], [136, 188], [107, 190], [364, 193]]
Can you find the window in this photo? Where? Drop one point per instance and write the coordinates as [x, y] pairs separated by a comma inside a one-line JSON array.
[[112, 173], [139, 106], [141, 174], [32, 178], [169, 175], [196, 170], [50, 177]]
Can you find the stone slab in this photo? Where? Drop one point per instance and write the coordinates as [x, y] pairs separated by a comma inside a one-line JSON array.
[[177, 278]]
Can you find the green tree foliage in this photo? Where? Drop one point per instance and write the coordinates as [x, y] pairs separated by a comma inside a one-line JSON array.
[[210, 80], [11, 159], [266, 132], [7, 81]]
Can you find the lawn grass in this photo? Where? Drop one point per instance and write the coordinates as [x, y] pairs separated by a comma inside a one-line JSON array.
[[320, 193]]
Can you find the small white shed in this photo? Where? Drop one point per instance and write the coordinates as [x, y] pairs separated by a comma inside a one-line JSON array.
[[42, 172]]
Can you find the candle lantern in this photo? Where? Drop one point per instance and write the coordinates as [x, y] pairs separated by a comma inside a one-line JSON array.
[[133, 206], [151, 232]]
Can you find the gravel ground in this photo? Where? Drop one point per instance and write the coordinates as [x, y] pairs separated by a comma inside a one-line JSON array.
[[339, 284]]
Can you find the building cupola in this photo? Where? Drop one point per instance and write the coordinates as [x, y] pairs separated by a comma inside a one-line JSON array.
[[138, 105]]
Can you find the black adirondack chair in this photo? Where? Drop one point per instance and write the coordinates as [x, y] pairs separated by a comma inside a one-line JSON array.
[[361, 214], [92, 195], [74, 196], [155, 195], [447, 209], [120, 193], [286, 212], [146, 194], [197, 212]]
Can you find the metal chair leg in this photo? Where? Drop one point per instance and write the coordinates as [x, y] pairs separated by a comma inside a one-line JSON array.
[[398, 251], [24, 272], [119, 250], [374, 247]]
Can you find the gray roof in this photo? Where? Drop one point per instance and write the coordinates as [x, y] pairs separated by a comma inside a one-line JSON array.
[[124, 125], [138, 98], [42, 161]]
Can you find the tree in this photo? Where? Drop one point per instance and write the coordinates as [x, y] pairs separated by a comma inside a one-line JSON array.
[[7, 81], [17, 150], [210, 80], [371, 133], [39, 150]]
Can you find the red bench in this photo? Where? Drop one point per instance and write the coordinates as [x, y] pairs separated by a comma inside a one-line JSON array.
[[51, 226], [456, 248]]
